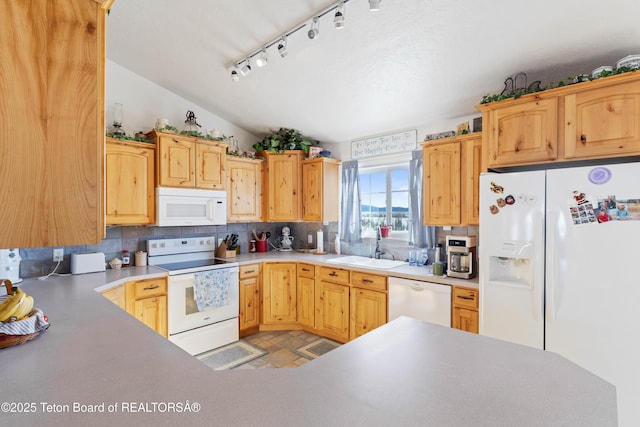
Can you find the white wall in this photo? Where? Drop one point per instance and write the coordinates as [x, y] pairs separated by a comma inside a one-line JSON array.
[[343, 150], [144, 101]]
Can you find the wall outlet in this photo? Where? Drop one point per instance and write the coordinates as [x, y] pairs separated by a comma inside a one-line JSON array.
[[58, 254], [310, 238]]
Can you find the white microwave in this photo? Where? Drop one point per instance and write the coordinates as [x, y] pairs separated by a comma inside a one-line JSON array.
[[189, 206]]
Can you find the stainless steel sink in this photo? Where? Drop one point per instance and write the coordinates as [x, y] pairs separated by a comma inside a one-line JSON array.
[[360, 261]]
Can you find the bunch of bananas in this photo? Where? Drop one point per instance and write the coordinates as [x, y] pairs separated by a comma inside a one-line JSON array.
[[17, 306]]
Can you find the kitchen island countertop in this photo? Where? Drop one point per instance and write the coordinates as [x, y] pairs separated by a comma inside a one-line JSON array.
[[97, 365]]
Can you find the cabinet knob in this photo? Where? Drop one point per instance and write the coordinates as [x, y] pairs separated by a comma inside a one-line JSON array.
[[583, 139]]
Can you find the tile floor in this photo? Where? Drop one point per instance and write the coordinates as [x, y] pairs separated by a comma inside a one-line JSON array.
[[280, 346]]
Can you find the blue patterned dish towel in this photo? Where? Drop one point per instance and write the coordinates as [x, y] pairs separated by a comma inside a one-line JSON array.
[[211, 288]]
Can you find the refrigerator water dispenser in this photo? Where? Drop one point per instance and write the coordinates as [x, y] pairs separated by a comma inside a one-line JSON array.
[[516, 271]]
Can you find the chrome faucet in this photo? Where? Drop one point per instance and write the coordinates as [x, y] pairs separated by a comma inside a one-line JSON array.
[[378, 253]]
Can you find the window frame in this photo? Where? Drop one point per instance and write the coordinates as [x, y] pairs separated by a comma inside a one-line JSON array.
[[388, 167]]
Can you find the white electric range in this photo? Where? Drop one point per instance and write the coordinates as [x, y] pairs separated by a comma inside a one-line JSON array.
[[203, 292]]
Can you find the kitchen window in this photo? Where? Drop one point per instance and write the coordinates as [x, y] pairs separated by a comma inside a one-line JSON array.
[[384, 199]]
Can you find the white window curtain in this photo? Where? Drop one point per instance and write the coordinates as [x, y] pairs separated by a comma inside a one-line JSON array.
[[420, 236], [350, 219]]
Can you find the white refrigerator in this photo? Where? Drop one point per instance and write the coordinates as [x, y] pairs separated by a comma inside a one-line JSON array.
[[560, 268]]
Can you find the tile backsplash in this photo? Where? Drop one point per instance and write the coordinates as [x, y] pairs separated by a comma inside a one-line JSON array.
[[39, 261]]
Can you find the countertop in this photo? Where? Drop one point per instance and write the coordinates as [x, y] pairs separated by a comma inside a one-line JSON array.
[[96, 357], [404, 271]]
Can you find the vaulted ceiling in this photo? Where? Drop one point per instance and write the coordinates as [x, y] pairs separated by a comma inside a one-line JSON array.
[[411, 63]]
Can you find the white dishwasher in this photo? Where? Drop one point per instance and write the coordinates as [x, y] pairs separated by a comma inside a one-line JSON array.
[[426, 301]]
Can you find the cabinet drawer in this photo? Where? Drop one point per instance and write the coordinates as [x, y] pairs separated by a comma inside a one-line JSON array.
[[306, 270], [369, 281], [464, 297], [149, 288], [249, 270], [335, 275]]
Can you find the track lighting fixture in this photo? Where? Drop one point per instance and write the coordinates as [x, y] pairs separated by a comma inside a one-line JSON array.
[[314, 32], [338, 19], [374, 5], [262, 59], [312, 24], [246, 69], [282, 47]]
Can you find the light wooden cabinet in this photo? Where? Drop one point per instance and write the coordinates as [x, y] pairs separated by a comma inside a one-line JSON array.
[[336, 303], [306, 295], [211, 163], [129, 183], [471, 160], [332, 303], [441, 183], [146, 300], [451, 180], [603, 121], [320, 188], [584, 121], [368, 303], [185, 161], [243, 189], [279, 293], [282, 185], [522, 132], [51, 122], [249, 316], [464, 309], [115, 295]]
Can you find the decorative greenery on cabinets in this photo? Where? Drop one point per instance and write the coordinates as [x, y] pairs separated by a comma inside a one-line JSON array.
[[283, 139]]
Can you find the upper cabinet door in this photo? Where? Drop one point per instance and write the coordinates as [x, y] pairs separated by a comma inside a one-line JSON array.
[[522, 132], [283, 186], [51, 123], [176, 162], [129, 182], [441, 183], [320, 189], [471, 151], [243, 189], [210, 166], [603, 122]]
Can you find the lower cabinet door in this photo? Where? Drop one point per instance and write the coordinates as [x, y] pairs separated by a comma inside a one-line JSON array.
[[153, 313], [368, 311], [249, 305], [465, 319], [306, 301], [332, 310]]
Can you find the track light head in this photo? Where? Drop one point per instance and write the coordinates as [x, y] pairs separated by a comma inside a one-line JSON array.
[[262, 59], [246, 69], [338, 19], [314, 32], [282, 47], [374, 5], [234, 76]]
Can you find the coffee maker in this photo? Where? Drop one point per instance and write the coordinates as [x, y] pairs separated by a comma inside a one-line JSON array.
[[461, 256]]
